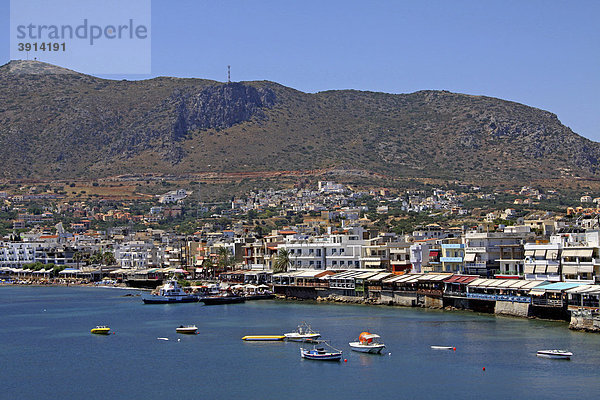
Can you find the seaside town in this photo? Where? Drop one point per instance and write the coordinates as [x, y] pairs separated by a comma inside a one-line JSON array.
[[429, 247]]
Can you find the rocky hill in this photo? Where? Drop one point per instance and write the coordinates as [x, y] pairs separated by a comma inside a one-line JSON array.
[[56, 123]]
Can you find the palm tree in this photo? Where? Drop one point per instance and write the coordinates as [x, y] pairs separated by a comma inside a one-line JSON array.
[[108, 258], [224, 258], [208, 265], [282, 261]]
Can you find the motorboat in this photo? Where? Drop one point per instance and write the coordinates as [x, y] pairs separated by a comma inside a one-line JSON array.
[[263, 338], [187, 329], [226, 298], [303, 333], [260, 296], [101, 330], [319, 353], [557, 354], [169, 293], [367, 343], [443, 348]]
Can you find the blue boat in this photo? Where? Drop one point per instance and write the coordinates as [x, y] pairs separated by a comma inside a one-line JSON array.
[[319, 353]]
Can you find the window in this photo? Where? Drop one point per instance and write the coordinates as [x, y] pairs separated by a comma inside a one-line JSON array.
[[334, 262], [341, 251], [311, 263], [333, 251], [311, 251], [318, 252], [342, 263], [319, 264], [299, 252], [357, 264]]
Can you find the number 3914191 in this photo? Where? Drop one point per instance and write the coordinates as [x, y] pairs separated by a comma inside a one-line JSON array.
[[43, 46]]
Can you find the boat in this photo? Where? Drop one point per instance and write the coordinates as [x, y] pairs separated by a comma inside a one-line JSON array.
[[442, 348], [101, 330], [557, 354], [263, 338], [187, 329], [260, 296], [169, 293], [227, 298], [367, 343], [319, 353], [303, 333]]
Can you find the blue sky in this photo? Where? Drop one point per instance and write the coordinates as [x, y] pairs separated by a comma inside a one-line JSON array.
[[544, 54]]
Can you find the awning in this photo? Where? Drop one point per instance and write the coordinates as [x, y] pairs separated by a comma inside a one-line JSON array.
[[577, 252], [529, 268], [372, 263], [434, 253], [540, 253], [470, 257], [529, 253], [569, 269], [552, 269], [552, 255], [540, 269], [537, 292]]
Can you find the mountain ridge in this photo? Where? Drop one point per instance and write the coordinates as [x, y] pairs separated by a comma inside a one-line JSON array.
[[67, 125]]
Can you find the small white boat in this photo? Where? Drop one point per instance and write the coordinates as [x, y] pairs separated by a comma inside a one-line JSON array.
[[443, 348], [188, 329], [303, 333], [367, 343], [319, 353], [557, 354]]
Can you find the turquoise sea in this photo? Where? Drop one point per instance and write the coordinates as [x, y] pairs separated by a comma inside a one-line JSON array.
[[47, 351]]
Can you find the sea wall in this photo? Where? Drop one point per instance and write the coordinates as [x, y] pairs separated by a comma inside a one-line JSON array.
[[512, 308], [433, 302], [585, 320]]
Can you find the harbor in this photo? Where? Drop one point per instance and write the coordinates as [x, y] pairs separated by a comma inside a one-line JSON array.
[[50, 327]]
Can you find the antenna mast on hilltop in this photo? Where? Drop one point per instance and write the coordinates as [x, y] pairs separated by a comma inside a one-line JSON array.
[[229, 74]]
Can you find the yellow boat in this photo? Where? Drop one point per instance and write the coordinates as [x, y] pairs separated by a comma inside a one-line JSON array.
[[101, 330], [263, 338]]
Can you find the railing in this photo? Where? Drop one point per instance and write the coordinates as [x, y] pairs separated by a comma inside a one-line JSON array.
[[499, 297], [546, 302]]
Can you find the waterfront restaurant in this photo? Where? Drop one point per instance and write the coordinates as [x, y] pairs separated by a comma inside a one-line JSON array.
[[502, 289], [343, 283], [456, 285], [552, 294], [584, 297]]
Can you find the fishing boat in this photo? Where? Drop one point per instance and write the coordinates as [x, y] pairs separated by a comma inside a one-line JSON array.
[[319, 353], [557, 354], [226, 298], [263, 338], [367, 343], [187, 329], [303, 333], [101, 330], [169, 293]]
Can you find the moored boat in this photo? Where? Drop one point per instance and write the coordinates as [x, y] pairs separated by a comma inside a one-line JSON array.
[[169, 293], [367, 343], [263, 338], [303, 333], [101, 330], [319, 353], [223, 299], [187, 329], [556, 354]]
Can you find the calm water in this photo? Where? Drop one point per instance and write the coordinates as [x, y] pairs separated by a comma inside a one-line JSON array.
[[47, 351]]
